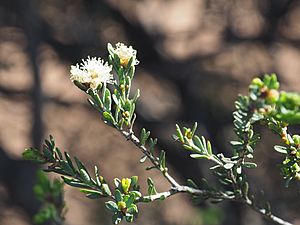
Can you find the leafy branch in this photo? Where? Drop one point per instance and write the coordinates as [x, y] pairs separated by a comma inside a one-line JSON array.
[[50, 194], [264, 104]]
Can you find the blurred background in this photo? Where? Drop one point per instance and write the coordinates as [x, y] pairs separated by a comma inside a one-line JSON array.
[[195, 57]]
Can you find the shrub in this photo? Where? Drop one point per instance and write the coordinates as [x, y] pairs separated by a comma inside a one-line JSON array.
[[110, 95]]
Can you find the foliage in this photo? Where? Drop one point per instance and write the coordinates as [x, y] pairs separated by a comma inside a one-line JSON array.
[[50, 194], [264, 104]]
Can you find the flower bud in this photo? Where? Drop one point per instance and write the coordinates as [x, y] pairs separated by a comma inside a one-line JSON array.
[[121, 205], [126, 114], [272, 96], [188, 133], [296, 139], [258, 82], [126, 184]]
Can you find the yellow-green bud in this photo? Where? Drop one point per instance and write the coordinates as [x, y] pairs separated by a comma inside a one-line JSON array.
[[188, 133], [296, 139], [122, 87], [126, 184], [121, 205], [257, 81], [101, 179], [125, 114], [272, 96]]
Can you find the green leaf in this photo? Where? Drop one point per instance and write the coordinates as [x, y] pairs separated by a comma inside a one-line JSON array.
[[199, 156], [57, 170], [204, 143], [68, 158], [117, 182], [46, 213], [58, 151], [192, 184], [136, 96], [143, 159], [281, 149], [134, 180], [96, 99], [117, 102], [136, 194], [249, 165], [33, 155], [116, 60], [107, 99], [144, 136], [50, 144], [187, 147], [108, 118], [84, 175], [228, 166], [133, 209], [129, 218], [66, 167], [106, 189], [179, 134], [117, 218], [194, 128], [209, 149], [151, 187], [112, 206], [74, 183], [39, 192], [249, 148], [92, 194], [79, 164], [130, 200], [198, 143], [127, 106], [118, 196], [110, 49], [245, 188], [131, 72], [48, 154], [236, 143], [97, 176], [162, 159], [152, 144]]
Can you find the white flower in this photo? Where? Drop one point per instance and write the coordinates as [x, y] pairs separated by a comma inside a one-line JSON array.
[[92, 71], [125, 53]]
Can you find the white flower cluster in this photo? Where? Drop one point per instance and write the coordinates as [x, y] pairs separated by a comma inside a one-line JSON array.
[[92, 71], [125, 53]]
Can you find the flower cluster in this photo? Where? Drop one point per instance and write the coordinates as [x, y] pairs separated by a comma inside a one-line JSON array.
[[92, 72], [125, 54]]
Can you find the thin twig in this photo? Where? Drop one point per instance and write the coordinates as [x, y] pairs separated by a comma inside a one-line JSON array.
[[130, 136], [177, 188], [269, 216]]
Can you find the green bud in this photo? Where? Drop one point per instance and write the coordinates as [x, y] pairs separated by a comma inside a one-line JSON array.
[[296, 139], [258, 82], [125, 114], [121, 205], [272, 96], [122, 87], [126, 184], [188, 133]]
